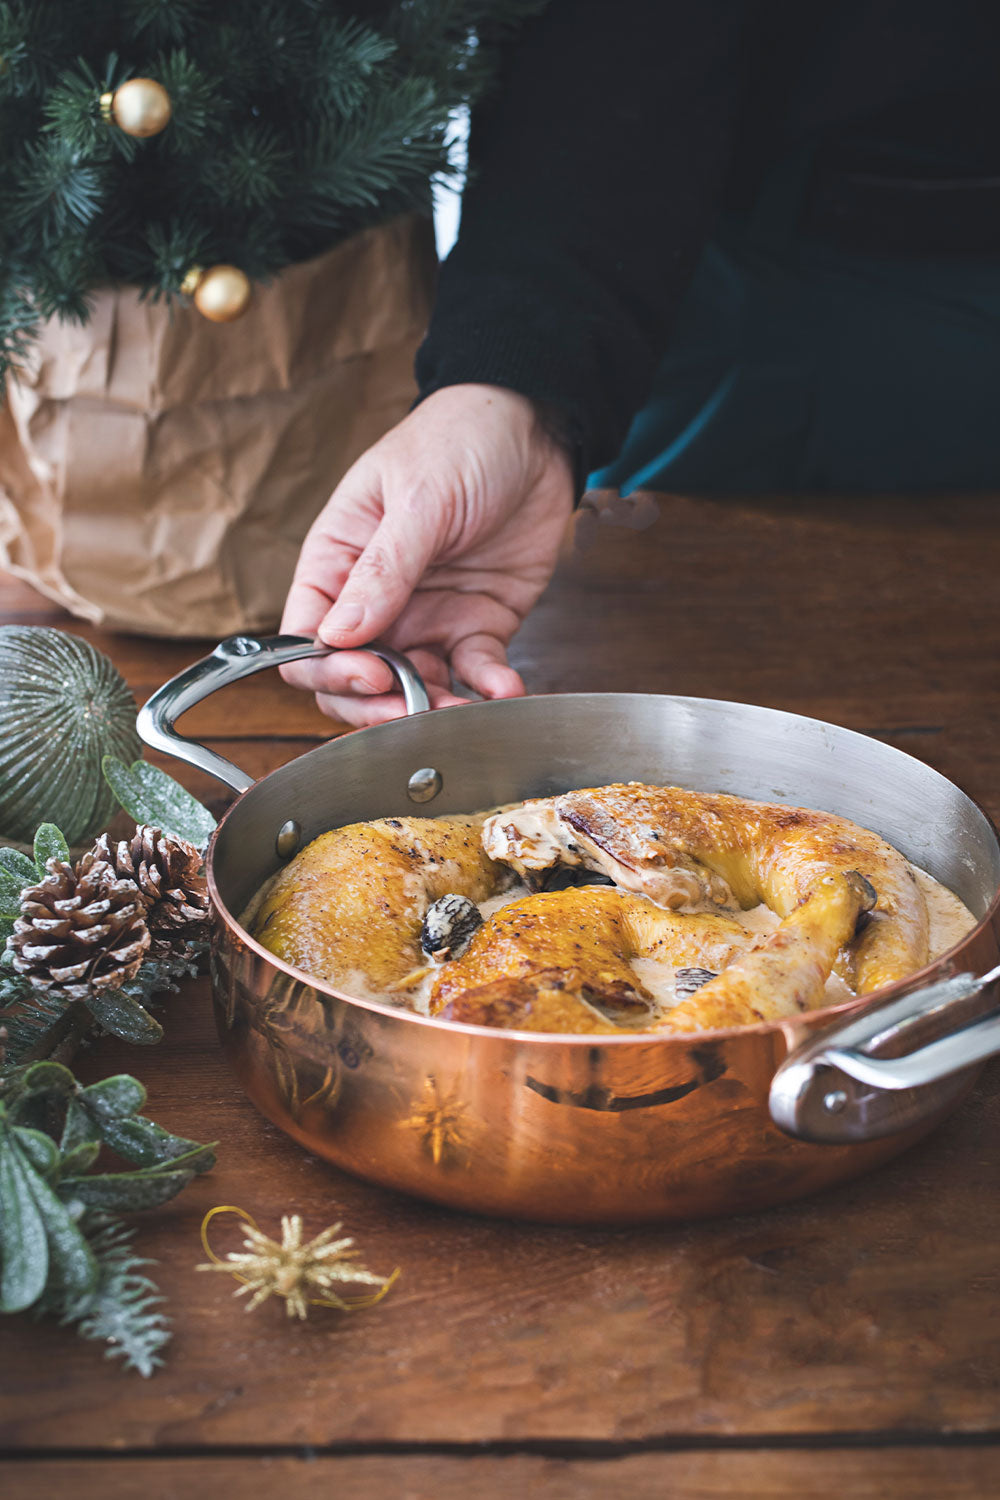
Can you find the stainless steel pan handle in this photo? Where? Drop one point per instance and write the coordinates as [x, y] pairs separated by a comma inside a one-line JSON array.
[[234, 658], [837, 1089]]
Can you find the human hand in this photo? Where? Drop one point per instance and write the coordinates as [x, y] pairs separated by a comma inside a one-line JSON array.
[[439, 540]]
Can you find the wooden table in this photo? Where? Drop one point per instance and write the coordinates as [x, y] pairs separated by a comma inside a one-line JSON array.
[[848, 1345]]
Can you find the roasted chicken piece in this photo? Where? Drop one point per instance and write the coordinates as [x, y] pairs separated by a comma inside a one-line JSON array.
[[562, 961], [787, 974], [681, 848], [349, 907]]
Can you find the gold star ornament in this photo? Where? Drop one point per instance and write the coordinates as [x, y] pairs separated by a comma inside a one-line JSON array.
[[294, 1270]]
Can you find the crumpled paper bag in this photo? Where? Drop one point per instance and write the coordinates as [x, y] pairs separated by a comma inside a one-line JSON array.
[[158, 472]]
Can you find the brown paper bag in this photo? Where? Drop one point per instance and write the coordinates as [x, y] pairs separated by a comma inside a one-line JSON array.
[[158, 472]]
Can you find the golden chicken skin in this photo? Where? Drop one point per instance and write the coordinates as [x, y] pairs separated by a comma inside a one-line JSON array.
[[562, 961], [682, 848], [350, 906]]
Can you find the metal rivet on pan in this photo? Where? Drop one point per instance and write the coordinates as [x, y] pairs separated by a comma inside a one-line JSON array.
[[288, 839], [835, 1101], [424, 784]]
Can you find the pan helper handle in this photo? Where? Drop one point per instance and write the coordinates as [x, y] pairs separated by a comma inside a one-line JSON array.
[[237, 657], [837, 1089]]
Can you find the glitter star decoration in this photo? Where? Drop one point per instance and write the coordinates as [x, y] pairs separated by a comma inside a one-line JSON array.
[[293, 1270], [438, 1118]]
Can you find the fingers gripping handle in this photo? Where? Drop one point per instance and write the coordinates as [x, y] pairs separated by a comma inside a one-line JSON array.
[[237, 657], [839, 1087]]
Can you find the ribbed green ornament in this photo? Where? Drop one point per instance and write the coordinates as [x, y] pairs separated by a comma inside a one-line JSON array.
[[63, 705]]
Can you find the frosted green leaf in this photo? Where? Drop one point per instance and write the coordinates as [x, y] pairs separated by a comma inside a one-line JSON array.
[[125, 1192], [58, 1253], [49, 844], [16, 872], [24, 1249], [10, 897], [149, 795], [149, 1145], [49, 1078], [39, 1148], [81, 1128], [146, 1144], [115, 1098], [19, 866], [81, 1158], [123, 1016], [71, 1263]]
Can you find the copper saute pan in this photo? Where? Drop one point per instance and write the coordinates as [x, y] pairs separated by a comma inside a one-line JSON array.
[[619, 1129]]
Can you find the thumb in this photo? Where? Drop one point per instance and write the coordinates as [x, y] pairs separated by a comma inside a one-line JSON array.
[[380, 583]]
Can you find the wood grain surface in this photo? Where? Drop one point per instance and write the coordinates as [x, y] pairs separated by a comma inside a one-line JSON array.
[[849, 1344], [758, 1474]]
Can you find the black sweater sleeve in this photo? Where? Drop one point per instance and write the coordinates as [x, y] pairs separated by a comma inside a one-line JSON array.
[[596, 172]]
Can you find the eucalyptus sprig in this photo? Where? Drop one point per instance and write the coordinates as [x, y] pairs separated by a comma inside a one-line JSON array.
[[62, 1251]]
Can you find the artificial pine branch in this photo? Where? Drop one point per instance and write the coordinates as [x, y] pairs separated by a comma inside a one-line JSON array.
[[165, 254], [71, 110], [30, 33], [18, 315], [32, 1018], [195, 99], [58, 191], [284, 40], [166, 22], [62, 277], [256, 168], [395, 144], [124, 1309], [346, 60], [295, 123]]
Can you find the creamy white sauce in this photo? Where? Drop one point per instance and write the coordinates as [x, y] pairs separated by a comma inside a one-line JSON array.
[[950, 918]]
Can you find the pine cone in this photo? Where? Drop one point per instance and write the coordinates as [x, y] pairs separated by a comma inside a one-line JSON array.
[[80, 929], [167, 872]]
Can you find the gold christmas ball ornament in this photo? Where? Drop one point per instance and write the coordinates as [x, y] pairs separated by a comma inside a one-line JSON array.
[[221, 293], [140, 107]]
